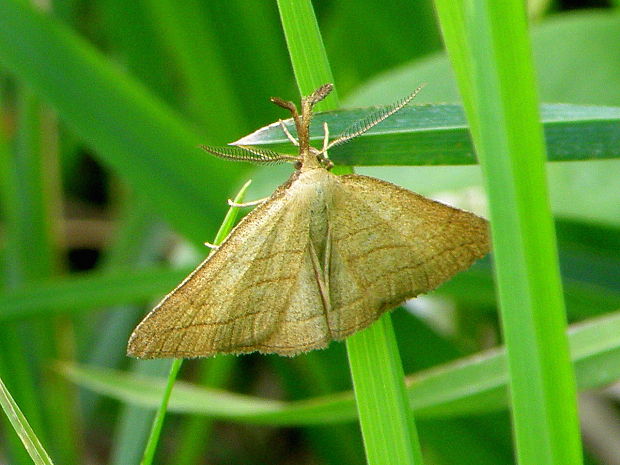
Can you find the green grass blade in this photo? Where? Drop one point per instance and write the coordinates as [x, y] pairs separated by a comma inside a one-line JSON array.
[[490, 50], [382, 401], [470, 385], [158, 421], [35, 177], [438, 135], [367, 349], [196, 430], [134, 133], [135, 422], [306, 49], [22, 428]]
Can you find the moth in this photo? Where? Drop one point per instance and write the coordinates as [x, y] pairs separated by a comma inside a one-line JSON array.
[[320, 259]]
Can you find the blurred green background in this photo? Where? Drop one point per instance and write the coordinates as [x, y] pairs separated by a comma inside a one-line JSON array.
[[105, 202]]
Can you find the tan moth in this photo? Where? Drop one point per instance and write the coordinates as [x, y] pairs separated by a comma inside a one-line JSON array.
[[320, 259]]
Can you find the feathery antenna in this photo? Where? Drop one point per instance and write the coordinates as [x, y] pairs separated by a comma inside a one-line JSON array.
[[320, 94], [360, 127], [249, 153]]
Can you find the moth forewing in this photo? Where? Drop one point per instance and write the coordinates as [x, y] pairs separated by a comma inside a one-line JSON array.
[[211, 310], [389, 245], [322, 258]]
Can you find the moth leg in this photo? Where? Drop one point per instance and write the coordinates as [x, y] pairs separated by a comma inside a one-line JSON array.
[[212, 246], [323, 153], [325, 138], [253, 203], [288, 134], [327, 259], [323, 287]]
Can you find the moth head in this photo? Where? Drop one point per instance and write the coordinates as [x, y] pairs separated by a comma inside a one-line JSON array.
[[309, 157]]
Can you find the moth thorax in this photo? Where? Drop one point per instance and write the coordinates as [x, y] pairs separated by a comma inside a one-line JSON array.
[[319, 187]]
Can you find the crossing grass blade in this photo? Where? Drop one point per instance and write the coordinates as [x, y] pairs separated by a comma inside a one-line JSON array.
[[438, 134], [470, 385]]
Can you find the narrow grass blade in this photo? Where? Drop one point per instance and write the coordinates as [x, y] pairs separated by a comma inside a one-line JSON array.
[[31, 199], [196, 430], [22, 428], [36, 256], [158, 421]]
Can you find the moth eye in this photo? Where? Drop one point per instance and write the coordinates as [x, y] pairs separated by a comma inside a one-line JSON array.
[[324, 161], [298, 165]]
